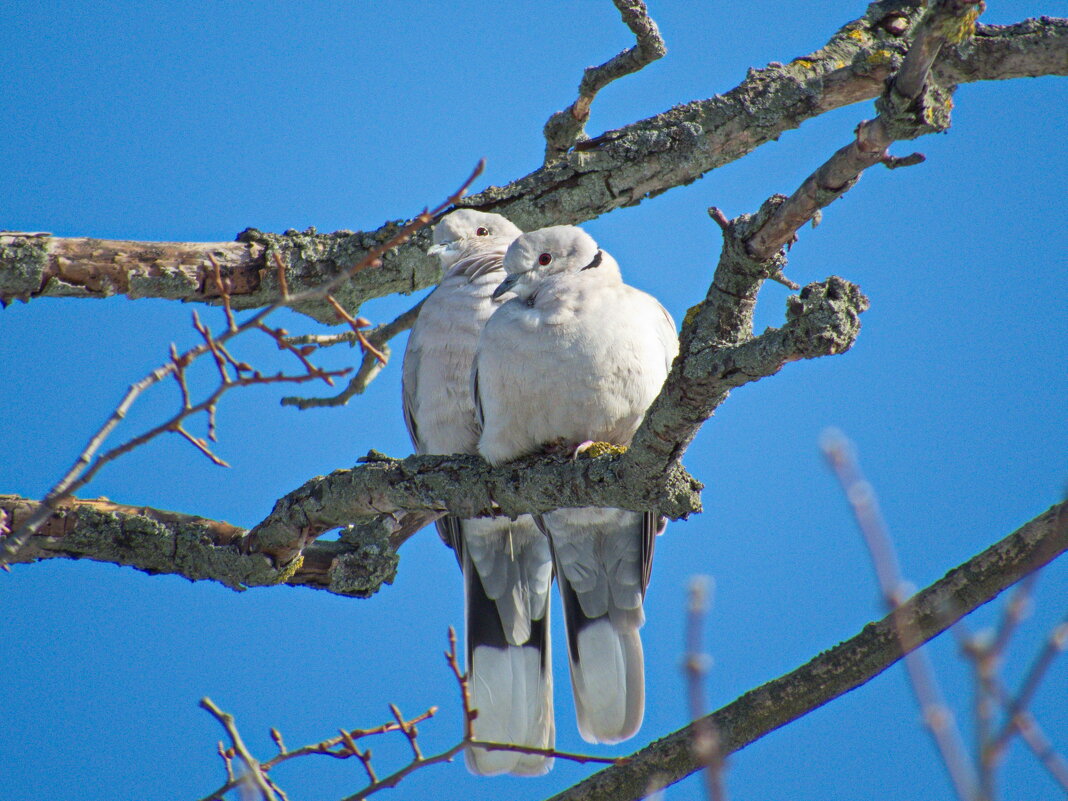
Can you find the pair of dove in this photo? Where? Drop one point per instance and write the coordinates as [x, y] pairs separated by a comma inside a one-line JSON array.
[[533, 341]]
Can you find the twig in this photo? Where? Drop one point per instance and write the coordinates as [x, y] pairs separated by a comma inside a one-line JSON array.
[[409, 730], [706, 742], [85, 466], [464, 685], [345, 746], [228, 760], [1043, 749], [565, 128], [978, 648], [355, 326], [252, 767], [467, 741], [1015, 610], [346, 738], [936, 716], [1055, 644], [372, 363]]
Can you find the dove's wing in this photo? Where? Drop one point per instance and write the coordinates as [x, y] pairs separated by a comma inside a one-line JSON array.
[[580, 356], [506, 564]]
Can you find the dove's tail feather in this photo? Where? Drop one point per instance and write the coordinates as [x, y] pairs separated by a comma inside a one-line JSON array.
[[607, 671], [509, 657], [601, 558]]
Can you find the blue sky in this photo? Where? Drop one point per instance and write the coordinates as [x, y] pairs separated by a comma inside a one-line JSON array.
[[193, 121]]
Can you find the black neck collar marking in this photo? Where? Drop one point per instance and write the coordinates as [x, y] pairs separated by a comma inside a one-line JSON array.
[[595, 263]]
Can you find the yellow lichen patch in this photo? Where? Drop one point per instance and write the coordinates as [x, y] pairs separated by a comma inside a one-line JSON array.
[[598, 449], [957, 29], [856, 35], [880, 57], [692, 312], [289, 570], [807, 63]]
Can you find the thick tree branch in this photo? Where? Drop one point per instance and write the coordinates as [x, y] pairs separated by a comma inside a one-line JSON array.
[[618, 168], [401, 495], [909, 108], [840, 669], [823, 320], [566, 127], [157, 541]]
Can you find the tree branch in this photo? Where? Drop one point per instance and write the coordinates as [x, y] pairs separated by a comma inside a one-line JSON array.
[[910, 107], [618, 168], [566, 127], [157, 541], [404, 494], [840, 669]]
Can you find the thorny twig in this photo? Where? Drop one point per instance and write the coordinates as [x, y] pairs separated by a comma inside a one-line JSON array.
[[89, 463], [936, 716], [706, 739], [345, 746]]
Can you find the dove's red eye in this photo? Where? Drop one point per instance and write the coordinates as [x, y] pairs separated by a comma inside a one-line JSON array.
[[482, 232], [545, 258]]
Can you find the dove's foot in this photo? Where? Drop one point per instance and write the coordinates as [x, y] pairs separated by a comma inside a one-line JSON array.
[[593, 450]]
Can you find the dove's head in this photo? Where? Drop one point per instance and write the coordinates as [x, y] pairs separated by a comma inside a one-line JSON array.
[[464, 230], [535, 256]]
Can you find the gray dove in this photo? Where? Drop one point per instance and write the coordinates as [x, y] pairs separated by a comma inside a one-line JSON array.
[[577, 356], [507, 565]]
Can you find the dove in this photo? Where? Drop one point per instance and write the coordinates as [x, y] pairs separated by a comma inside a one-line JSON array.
[[507, 566], [578, 356]]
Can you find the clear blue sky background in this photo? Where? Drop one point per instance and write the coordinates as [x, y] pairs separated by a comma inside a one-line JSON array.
[[191, 121]]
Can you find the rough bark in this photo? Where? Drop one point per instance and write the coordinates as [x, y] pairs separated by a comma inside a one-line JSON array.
[[156, 541], [840, 669], [618, 168], [823, 320]]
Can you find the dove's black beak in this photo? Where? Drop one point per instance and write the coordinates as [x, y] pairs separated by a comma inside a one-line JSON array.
[[506, 285]]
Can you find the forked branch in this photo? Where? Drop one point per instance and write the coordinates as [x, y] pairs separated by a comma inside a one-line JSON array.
[[567, 127]]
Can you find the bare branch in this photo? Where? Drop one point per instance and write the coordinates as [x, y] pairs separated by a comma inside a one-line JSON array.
[[706, 742], [345, 746], [618, 168], [371, 366], [252, 767], [936, 715], [905, 111], [985, 652], [86, 466], [1054, 645], [839, 669], [565, 128]]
